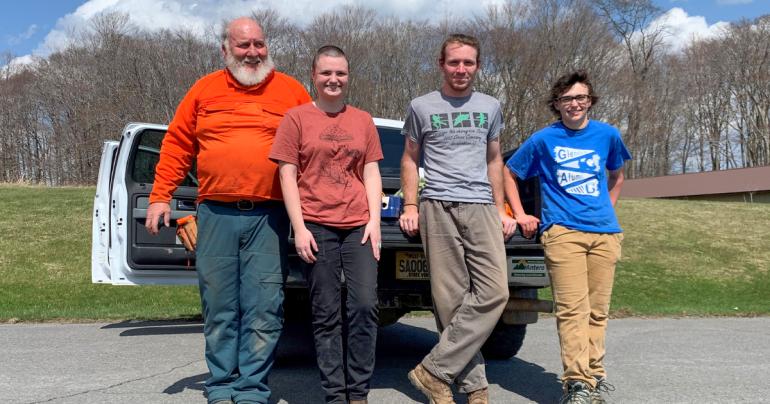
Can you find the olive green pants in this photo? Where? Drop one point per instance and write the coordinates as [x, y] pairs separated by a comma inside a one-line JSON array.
[[469, 285]]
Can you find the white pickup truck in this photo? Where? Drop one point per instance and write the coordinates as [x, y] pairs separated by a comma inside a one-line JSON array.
[[123, 253]]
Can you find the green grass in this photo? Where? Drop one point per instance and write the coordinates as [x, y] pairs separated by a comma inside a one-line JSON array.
[[679, 258], [45, 268], [692, 258]]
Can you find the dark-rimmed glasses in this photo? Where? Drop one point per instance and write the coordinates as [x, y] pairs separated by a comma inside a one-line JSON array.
[[567, 99]]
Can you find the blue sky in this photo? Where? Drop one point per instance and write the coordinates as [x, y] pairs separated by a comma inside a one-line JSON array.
[[25, 23], [719, 10], [39, 26]]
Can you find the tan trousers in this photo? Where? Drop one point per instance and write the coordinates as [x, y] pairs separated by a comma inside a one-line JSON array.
[[582, 268], [464, 246]]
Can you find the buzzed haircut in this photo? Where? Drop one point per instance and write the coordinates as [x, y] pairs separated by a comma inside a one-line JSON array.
[[328, 50], [461, 39], [565, 82]]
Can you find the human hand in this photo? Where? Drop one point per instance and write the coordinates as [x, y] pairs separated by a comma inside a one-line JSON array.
[[528, 225], [509, 225], [305, 244], [372, 232], [410, 220], [155, 212]]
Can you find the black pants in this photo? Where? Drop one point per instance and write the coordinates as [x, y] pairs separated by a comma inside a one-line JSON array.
[[346, 368]]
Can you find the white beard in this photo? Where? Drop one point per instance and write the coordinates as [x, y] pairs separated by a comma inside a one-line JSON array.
[[245, 75]]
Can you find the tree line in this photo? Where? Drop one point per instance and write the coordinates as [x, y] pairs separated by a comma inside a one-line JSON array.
[[706, 107]]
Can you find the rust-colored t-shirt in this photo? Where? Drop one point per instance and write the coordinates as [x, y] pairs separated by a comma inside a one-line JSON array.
[[330, 151], [229, 128]]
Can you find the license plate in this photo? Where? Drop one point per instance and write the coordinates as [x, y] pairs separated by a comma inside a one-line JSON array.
[[527, 270], [411, 266]]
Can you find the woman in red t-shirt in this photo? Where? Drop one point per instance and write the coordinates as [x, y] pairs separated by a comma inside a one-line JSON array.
[[328, 155]]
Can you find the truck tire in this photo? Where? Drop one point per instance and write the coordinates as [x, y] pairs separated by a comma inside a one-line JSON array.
[[505, 341], [387, 317]]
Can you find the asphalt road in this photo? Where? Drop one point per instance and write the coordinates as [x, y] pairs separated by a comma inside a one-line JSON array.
[[710, 360]]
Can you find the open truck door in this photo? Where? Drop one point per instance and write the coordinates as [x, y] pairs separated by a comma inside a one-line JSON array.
[[123, 252]]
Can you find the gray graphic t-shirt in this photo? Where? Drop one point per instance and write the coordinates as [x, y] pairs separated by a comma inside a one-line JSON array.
[[453, 134]]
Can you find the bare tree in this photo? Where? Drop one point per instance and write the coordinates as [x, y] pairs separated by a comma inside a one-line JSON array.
[[630, 21], [707, 107]]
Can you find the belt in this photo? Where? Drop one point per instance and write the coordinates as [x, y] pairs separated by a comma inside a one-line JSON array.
[[243, 204]]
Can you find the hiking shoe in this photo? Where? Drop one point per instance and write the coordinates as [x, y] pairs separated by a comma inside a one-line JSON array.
[[576, 393], [480, 396], [601, 391], [437, 391]]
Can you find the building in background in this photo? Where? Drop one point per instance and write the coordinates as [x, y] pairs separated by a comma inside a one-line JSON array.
[[737, 185]]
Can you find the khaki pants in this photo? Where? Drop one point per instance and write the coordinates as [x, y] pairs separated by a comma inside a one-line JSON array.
[[582, 268], [466, 256]]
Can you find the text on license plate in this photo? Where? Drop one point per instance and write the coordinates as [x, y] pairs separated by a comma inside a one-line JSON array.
[[411, 266]]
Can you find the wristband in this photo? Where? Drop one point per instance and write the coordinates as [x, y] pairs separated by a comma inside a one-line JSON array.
[[409, 204]]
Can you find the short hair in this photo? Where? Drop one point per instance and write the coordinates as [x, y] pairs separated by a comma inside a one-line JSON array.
[[461, 39], [328, 50], [224, 34], [565, 82]]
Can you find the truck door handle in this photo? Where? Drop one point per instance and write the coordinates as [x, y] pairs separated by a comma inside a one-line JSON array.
[[185, 205]]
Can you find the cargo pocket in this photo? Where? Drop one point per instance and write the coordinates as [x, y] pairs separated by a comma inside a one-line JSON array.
[[269, 308]]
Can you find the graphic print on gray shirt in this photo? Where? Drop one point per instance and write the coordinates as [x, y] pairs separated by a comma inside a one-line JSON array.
[[453, 134]]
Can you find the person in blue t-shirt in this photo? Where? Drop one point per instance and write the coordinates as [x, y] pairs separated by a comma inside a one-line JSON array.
[[579, 163]]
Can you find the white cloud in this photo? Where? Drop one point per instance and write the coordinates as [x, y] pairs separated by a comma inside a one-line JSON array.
[[682, 28], [18, 64], [201, 15], [17, 39]]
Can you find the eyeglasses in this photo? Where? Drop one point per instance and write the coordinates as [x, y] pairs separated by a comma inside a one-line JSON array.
[[567, 99]]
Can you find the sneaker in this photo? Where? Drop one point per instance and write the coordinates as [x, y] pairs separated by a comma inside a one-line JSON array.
[[437, 391], [576, 393], [480, 396], [601, 391]]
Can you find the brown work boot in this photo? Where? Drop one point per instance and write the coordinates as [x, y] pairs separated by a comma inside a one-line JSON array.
[[434, 388], [480, 396]]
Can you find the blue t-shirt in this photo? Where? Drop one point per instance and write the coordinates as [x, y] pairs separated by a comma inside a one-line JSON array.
[[573, 180]]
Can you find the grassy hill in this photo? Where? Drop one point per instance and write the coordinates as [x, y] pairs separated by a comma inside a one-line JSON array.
[[693, 258], [679, 258]]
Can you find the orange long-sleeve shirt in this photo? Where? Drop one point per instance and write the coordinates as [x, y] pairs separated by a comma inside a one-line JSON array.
[[229, 129]]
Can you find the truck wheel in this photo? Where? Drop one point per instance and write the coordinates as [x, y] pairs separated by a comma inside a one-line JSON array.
[[505, 341], [389, 316]]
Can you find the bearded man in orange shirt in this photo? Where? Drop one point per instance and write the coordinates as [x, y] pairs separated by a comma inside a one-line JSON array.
[[226, 124]]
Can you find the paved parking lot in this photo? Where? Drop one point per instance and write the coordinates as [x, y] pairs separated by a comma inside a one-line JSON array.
[[712, 360]]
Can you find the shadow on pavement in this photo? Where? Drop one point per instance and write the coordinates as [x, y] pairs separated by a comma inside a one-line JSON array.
[[400, 347], [156, 327], [525, 379], [188, 383]]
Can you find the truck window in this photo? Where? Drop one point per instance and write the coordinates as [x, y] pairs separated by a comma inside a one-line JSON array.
[[146, 157], [392, 148]]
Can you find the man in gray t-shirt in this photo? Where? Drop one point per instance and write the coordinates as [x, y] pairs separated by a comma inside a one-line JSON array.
[[454, 134], [461, 220]]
